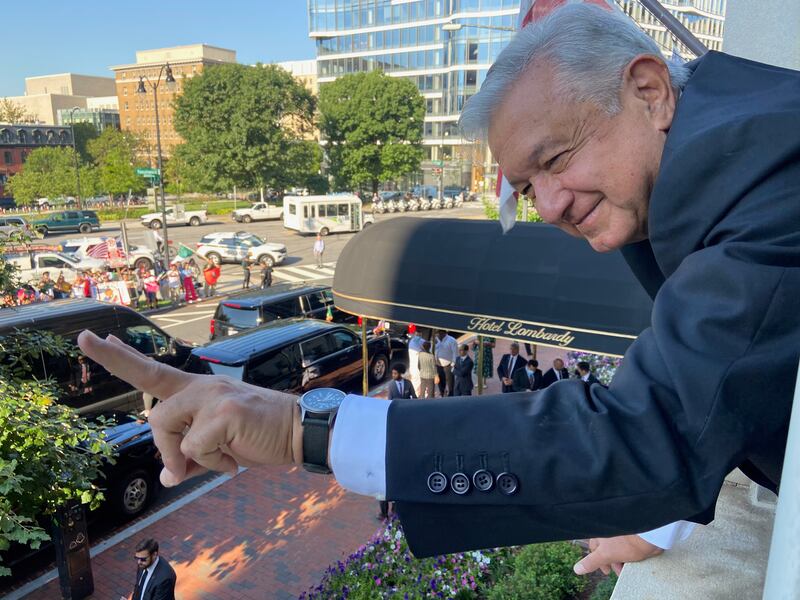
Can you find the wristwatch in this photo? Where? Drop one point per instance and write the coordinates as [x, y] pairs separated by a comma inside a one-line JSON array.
[[317, 411]]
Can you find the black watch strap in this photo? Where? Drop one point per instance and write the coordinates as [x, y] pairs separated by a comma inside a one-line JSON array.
[[315, 444]]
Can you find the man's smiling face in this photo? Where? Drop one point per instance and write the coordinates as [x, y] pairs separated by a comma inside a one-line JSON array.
[[591, 173]]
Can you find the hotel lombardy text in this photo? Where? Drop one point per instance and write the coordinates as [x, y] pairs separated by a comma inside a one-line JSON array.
[[520, 331]]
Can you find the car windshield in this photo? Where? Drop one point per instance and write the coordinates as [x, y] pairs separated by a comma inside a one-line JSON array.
[[70, 248], [252, 241], [237, 316], [66, 258]]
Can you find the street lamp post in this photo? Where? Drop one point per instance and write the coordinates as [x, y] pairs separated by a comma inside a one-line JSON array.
[[445, 133], [169, 80], [75, 153]]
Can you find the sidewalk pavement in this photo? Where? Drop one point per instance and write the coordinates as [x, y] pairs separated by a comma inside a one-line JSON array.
[[269, 532]]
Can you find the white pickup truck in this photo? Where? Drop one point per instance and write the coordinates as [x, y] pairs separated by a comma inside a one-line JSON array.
[[260, 211], [32, 265], [176, 215]]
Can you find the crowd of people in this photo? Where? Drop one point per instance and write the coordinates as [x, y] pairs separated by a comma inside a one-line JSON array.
[[141, 288]]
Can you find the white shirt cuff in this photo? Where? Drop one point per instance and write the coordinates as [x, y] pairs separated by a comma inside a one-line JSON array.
[[358, 448], [667, 536]]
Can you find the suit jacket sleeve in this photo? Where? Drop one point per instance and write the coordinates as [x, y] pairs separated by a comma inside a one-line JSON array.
[[520, 382], [412, 392], [698, 393], [502, 367]]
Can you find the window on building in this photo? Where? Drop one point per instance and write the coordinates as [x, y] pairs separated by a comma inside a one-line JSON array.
[[472, 78], [124, 90], [8, 157]]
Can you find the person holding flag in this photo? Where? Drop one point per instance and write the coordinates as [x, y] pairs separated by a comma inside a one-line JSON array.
[[329, 314], [266, 275]]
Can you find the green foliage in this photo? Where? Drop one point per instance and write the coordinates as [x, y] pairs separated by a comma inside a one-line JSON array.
[[49, 173], [242, 125], [116, 155], [605, 588], [491, 210], [373, 124], [541, 572], [48, 454], [183, 173], [84, 133], [14, 113]]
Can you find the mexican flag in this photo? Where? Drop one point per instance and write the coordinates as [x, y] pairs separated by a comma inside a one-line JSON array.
[[184, 252], [329, 315]]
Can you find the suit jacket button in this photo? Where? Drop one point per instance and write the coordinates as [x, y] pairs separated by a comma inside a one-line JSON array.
[[483, 480], [507, 483], [437, 482], [460, 483]]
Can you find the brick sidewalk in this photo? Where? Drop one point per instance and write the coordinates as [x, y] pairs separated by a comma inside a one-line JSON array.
[[267, 533]]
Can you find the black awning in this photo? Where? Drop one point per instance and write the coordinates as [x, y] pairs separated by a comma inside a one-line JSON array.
[[533, 284]]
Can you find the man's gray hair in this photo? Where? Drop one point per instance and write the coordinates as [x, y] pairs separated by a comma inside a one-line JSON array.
[[589, 48]]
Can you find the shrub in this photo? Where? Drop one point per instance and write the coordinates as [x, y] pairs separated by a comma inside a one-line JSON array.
[[491, 210], [541, 572], [603, 367], [605, 588]]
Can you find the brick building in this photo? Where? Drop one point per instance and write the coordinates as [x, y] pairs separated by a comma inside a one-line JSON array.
[[137, 111], [17, 141]]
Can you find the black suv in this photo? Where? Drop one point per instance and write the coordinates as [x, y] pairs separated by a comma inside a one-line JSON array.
[[295, 355], [251, 309]]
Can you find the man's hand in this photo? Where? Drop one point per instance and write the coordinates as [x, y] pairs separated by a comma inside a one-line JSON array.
[[612, 553], [204, 421]]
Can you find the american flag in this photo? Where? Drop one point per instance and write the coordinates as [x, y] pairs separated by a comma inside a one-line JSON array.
[[530, 11], [108, 249]]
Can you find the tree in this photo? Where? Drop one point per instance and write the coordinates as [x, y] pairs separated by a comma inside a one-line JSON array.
[[243, 126], [49, 455], [184, 172], [84, 133], [116, 155], [373, 125], [49, 172], [12, 112]]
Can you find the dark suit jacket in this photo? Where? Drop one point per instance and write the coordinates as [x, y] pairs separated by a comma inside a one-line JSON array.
[[462, 373], [522, 382], [408, 390], [550, 376], [706, 388], [592, 379], [162, 582], [502, 368]]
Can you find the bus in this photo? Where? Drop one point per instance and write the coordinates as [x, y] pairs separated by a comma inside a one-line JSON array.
[[324, 214]]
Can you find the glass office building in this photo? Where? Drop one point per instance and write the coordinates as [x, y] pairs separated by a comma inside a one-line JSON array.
[[407, 38]]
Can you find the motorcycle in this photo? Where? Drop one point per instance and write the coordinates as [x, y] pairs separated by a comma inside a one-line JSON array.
[[391, 206], [458, 203], [436, 204], [379, 207], [424, 204], [401, 205], [448, 203], [413, 204]]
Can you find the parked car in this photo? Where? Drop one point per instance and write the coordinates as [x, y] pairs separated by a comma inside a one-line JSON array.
[[452, 190], [251, 309], [137, 258], [82, 221], [10, 226], [8, 203], [295, 355], [176, 215], [233, 247], [32, 265], [260, 211]]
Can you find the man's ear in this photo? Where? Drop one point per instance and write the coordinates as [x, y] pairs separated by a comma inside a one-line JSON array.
[[646, 80]]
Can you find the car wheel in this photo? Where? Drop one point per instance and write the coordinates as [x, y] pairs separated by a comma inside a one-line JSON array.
[[378, 369], [214, 258], [367, 224], [141, 263], [155, 224], [267, 260], [247, 219], [324, 231], [85, 228], [194, 221], [133, 493]]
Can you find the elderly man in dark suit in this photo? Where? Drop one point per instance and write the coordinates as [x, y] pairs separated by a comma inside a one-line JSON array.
[[693, 171], [155, 578], [509, 364], [462, 372], [557, 373]]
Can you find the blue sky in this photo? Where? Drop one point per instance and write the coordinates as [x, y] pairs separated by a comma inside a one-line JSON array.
[[41, 37]]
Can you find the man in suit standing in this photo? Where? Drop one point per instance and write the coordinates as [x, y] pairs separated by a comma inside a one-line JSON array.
[[400, 388], [585, 372], [462, 373], [529, 378], [510, 364], [557, 373], [155, 578]]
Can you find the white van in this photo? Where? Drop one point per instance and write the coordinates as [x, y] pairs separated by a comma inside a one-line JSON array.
[[324, 214]]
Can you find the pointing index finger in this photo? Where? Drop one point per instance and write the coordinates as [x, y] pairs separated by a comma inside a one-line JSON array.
[[143, 373]]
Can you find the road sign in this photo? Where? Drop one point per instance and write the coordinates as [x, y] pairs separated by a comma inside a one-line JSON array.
[[147, 172], [437, 163]]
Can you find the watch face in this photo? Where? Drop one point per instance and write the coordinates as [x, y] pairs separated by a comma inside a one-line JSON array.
[[322, 399]]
